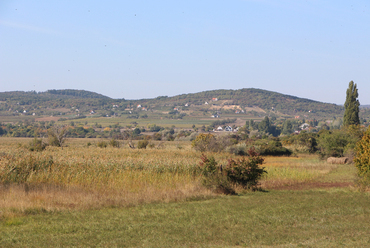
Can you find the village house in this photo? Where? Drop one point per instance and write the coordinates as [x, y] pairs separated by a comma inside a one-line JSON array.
[[304, 126], [228, 129]]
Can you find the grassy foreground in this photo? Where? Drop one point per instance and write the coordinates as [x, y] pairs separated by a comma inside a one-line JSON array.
[[313, 218]]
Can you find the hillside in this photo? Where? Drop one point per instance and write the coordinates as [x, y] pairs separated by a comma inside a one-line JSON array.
[[247, 98], [255, 102]]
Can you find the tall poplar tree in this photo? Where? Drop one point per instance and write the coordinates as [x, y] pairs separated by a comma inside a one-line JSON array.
[[352, 106]]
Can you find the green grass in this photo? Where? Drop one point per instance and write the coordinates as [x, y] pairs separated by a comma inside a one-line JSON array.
[[311, 218]]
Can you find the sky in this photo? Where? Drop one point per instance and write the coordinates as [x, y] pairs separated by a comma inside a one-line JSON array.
[[144, 49]]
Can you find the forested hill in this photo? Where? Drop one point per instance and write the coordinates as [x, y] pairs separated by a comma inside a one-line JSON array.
[[77, 93], [255, 97], [243, 98], [50, 94]]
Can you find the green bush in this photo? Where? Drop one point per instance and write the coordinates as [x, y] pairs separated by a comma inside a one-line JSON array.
[[245, 172], [213, 178], [209, 142], [274, 148], [337, 143], [36, 145], [142, 144], [102, 144], [114, 143], [242, 172], [362, 158], [203, 142], [307, 140]]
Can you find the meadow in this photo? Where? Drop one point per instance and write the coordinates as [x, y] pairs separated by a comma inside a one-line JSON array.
[[163, 184]]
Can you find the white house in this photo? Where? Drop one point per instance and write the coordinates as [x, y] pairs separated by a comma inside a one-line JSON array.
[[304, 126], [228, 129], [219, 128]]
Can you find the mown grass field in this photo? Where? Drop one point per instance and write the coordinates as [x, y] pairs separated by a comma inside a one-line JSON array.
[[117, 197]]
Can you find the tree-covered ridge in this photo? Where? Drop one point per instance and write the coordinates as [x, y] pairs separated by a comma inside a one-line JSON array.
[[77, 93], [49, 95], [255, 97], [266, 100], [43, 103]]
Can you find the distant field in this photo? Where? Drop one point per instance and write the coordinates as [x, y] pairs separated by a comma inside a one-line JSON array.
[[14, 119]]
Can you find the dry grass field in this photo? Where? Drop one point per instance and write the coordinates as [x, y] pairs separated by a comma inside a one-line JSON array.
[[82, 176]]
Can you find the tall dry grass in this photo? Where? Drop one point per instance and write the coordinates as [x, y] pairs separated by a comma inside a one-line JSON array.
[[81, 177], [286, 171], [84, 177]]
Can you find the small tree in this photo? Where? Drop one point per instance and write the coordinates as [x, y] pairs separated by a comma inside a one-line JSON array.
[[352, 106], [57, 135], [362, 158], [203, 141]]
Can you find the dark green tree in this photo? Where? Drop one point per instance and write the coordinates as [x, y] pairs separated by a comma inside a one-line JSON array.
[[287, 127], [264, 125], [352, 106]]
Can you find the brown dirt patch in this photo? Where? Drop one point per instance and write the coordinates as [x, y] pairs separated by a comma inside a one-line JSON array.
[[311, 185]]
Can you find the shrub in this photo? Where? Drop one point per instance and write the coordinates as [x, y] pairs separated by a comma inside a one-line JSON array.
[[37, 145], [274, 148], [208, 142], [237, 149], [336, 143], [114, 143], [245, 172], [157, 136], [304, 139], [142, 144], [362, 158], [242, 172], [203, 142], [102, 144], [213, 178]]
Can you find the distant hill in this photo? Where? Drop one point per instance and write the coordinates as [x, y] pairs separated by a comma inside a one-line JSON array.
[[251, 97], [77, 93], [215, 99], [50, 94]]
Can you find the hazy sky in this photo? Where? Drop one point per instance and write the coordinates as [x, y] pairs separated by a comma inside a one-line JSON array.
[[144, 49]]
